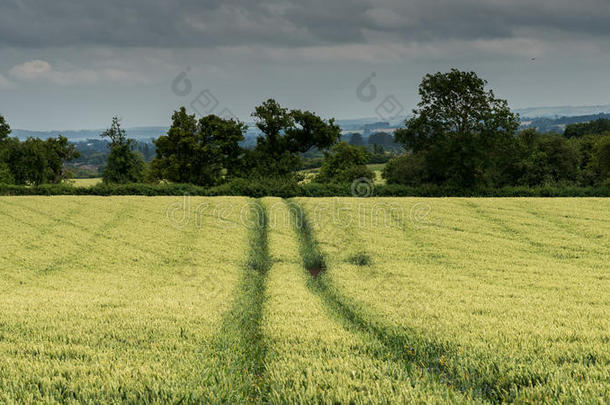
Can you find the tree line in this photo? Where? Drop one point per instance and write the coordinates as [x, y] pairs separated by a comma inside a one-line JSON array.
[[33, 161], [461, 136]]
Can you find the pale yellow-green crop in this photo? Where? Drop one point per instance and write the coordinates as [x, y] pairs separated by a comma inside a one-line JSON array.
[[508, 299], [103, 300], [209, 300]]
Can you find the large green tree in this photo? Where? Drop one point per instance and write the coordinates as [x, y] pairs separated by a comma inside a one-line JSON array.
[[202, 152], [457, 125], [123, 165], [59, 151], [286, 134]]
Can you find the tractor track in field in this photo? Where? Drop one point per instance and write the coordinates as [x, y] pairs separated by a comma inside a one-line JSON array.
[[510, 233], [240, 343], [65, 220], [409, 347], [95, 234], [99, 232]]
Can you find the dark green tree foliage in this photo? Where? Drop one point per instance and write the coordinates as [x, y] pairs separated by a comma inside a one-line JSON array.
[[123, 164], [58, 151], [6, 176], [601, 159], [5, 129], [33, 161], [545, 159], [200, 152], [407, 169], [457, 125], [344, 164], [285, 135], [588, 128]]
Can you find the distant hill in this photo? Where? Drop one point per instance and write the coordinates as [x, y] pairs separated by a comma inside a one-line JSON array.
[[546, 119], [562, 111], [155, 132], [79, 135], [559, 124]]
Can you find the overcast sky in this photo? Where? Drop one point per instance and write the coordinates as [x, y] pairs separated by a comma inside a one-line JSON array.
[[72, 64]]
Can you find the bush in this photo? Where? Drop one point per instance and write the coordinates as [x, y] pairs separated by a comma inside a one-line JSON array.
[[6, 176], [344, 164], [276, 188], [407, 169], [602, 158]]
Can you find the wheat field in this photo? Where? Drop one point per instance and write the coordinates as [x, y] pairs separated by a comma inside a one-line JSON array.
[[331, 300]]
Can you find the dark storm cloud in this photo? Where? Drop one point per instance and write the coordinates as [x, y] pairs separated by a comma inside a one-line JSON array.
[[208, 23], [494, 19], [168, 23]]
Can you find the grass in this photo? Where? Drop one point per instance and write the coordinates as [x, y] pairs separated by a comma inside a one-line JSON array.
[[448, 300], [241, 346], [377, 169]]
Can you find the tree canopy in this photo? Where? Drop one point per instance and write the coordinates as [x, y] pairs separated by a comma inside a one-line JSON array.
[[5, 129], [456, 126], [596, 127], [285, 135], [123, 164], [201, 152], [344, 164]]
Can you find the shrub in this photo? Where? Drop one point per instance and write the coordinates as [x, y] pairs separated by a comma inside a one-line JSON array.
[[407, 169], [344, 164], [257, 189], [6, 176]]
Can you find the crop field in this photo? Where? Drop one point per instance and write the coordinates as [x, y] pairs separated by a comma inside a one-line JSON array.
[[330, 300]]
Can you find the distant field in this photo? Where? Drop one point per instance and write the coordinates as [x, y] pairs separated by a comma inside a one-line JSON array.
[[136, 299], [85, 182], [377, 168]]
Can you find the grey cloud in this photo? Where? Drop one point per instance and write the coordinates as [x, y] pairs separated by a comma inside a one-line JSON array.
[[210, 23], [484, 19]]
